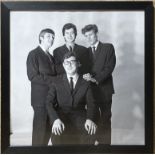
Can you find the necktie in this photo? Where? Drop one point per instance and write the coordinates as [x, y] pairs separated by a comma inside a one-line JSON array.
[[49, 56], [52, 62], [93, 51], [71, 84], [70, 49]]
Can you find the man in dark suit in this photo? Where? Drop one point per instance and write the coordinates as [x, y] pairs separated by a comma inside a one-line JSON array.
[[72, 122], [69, 32], [41, 71], [103, 63]]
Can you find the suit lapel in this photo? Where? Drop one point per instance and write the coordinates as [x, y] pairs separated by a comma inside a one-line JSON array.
[[75, 49], [97, 50], [65, 48], [50, 60], [66, 84], [78, 84]]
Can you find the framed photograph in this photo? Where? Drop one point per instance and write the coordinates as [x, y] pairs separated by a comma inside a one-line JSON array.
[[128, 26]]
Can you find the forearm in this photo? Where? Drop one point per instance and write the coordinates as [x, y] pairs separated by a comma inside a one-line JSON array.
[[42, 79], [91, 105], [50, 104]]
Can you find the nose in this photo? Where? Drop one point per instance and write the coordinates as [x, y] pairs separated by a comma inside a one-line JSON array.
[[70, 35]]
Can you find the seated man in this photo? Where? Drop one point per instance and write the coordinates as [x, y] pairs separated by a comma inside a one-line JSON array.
[[73, 119]]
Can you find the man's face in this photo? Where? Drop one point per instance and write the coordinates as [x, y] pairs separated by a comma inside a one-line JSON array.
[[47, 39], [70, 65], [91, 37], [69, 35]]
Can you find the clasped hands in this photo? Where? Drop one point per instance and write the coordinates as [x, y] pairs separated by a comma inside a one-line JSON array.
[[88, 77], [58, 127]]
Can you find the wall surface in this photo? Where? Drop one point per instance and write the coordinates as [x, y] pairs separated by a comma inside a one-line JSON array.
[[114, 27]]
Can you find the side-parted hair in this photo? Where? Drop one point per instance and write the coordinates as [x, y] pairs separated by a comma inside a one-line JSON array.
[[68, 55], [47, 30], [89, 28], [69, 26]]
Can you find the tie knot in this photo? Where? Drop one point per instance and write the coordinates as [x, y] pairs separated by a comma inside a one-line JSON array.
[[93, 48]]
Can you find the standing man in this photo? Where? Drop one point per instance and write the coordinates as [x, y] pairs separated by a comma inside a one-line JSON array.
[[103, 64], [69, 32], [71, 122], [41, 71]]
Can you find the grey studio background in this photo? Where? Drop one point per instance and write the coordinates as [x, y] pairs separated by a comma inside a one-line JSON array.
[[125, 30]]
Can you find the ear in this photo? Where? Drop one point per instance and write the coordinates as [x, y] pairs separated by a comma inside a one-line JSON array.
[[63, 65], [79, 64], [41, 38]]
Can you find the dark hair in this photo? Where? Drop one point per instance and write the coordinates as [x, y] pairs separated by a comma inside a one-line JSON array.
[[42, 33], [68, 55], [69, 26], [89, 28]]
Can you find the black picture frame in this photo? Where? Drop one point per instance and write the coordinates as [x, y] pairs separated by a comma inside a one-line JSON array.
[[6, 7]]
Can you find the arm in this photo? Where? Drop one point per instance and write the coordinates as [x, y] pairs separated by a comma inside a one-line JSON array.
[[57, 125], [108, 67], [33, 71], [51, 100], [90, 125]]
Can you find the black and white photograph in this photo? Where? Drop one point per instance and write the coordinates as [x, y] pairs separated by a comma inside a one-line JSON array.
[[77, 77]]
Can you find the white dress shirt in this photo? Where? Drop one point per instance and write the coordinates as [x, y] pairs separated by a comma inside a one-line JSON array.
[[75, 78], [95, 45]]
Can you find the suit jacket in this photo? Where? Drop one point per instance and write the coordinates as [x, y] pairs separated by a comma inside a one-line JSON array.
[[40, 71], [103, 65], [71, 104], [81, 53]]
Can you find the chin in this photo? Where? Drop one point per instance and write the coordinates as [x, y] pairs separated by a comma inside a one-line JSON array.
[[70, 72]]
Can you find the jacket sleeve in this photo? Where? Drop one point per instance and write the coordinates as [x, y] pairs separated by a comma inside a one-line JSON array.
[[51, 101], [92, 112], [108, 67], [33, 71]]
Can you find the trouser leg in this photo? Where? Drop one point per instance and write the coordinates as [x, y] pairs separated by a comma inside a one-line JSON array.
[[41, 128], [104, 126]]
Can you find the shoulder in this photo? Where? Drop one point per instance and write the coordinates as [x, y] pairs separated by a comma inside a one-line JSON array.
[[59, 48], [108, 45], [58, 51], [33, 53], [58, 79], [84, 82], [81, 47], [56, 82]]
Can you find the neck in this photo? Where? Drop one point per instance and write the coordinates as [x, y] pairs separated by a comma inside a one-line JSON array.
[[73, 74], [44, 47], [94, 43], [70, 44]]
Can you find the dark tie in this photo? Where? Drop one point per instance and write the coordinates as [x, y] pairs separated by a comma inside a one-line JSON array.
[[49, 56], [52, 61], [70, 48], [71, 84], [93, 51]]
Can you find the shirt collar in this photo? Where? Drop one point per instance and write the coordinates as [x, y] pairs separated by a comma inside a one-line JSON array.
[[95, 45], [43, 48], [75, 77], [72, 46]]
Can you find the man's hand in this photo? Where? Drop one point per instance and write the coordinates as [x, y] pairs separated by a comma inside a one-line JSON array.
[[58, 127], [88, 77], [90, 126]]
